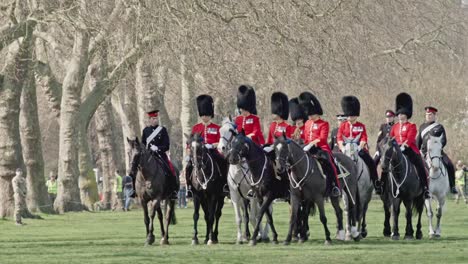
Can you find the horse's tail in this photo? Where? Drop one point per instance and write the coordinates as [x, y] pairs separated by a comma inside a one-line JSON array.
[[418, 204], [313, 209]]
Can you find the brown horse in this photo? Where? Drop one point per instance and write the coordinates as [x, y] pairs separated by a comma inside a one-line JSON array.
[[153, 186]]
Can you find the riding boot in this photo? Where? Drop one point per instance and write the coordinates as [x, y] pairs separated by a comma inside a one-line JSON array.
[[332, 188], [420, 168], [372, 170], [224, 168], [450, 172]]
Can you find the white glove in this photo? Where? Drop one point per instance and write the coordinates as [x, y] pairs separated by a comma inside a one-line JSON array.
[[402, 148], [208, 146], [267, 149], [377, 153], [308, 147], [187, 158], [154, 148]]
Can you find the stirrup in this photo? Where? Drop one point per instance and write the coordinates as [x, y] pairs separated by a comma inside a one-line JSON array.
[[427, 194], [335, 192], [226, 189], [250, 193]]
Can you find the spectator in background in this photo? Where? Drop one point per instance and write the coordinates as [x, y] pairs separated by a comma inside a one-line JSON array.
[[52, 186], [127, 184], [118, 202], [182, 191], [460, 181]]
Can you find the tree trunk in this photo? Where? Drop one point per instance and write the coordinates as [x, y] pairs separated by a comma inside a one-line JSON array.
[[68, 196], [187, 112], [37, 198], [11, 83]]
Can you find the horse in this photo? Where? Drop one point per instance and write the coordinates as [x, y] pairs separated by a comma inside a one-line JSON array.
[[438, 184], [264, 182], [153, 186], [307, 186], [207, 189], [402, 185], [239, 176], [364, 183]]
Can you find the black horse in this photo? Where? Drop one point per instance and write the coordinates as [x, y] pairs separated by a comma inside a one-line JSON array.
[[401, 185], [307, 187], [153, 186], [264, 183], [207, 188]]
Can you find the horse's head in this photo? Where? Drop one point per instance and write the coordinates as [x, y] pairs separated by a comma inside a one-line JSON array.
[[134, 154], [281, 147], [227, 133], [351, 147], [197, 150], [240, 147], [389, 147], [434, 152]]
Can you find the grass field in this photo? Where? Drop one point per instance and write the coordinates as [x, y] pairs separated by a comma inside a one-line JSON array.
[[118, 237]]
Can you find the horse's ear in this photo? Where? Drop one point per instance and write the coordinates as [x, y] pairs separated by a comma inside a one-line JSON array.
[[128, 140]]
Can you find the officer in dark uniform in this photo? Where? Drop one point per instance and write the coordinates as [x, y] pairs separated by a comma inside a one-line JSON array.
[[333, 143], [431, 127], [156, 139], [384, 130]]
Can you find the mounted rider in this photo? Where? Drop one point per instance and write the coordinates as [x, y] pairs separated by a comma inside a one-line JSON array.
[[299, 118], [333, 143], [209, 131], [405, 133], [432, 127], [384, 131], [248, 119], [316, 135], [156, 139], [352, 129], [280, 113]]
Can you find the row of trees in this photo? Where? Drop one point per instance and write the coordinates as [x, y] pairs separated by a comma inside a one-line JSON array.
[[78, 76]]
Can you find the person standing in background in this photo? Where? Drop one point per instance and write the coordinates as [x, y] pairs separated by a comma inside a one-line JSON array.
[[127, 184], [52, 186]]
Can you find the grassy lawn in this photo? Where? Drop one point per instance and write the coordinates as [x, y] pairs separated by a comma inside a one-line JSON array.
[[118, 237]]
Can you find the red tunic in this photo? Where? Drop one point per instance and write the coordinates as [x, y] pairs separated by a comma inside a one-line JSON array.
[[293, 129], [405, 132], [351, 131], [251, 124], [210, 133], [277, 129], [317, 130]]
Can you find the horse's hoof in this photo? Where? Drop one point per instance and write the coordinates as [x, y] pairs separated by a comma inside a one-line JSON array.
[[286, 243], [209, 243], [386, 233], [357, 239], [275, 242], [347, 237], [239, 242], [164, 242], [301, 241], [419, 235], [195, 242], [395, 237], [295, 239], [364, 234], [437, 236], [266, 240], [341, 235], [328, 243], [215, 241], [253, 242], [408, 237]]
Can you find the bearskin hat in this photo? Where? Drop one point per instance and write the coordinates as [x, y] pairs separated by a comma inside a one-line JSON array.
[[246, 99], [350, 106], [279, 105], [310, 104], [205, 105], [404, 105], [296, 110]]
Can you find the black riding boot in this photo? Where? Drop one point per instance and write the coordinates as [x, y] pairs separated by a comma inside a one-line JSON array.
[[332, 186], [224, 168], [450, 171], [420, 168], [372, 170]]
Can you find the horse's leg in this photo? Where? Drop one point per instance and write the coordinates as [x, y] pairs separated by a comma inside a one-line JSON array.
[[149, 236], [293, 219], [196, 216], [387, 232], [218, 213], [205, 203], [211, 206], [270, 223], [363, 223], [396, 214], [347, 231], [153, 205], [245, 207], [439, 215], [428, 203], [161, 220], [323, 219], [265, 206], [339, 217], [409, 232], [420, 207], [305, 232], [237, 211], [169, 211]]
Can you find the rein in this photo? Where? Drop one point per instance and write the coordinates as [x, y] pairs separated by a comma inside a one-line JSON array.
[[298, 184]]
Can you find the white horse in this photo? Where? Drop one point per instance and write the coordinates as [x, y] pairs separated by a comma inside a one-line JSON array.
[[438, 184], [239, 186], [364, 186]]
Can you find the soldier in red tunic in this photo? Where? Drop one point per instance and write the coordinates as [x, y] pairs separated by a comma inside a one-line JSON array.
[[316, 135], [299, 117], [248, 120], [210, 133], [352, 129], [280, 112], [405, 133]]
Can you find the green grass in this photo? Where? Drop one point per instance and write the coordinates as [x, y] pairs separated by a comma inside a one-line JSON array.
[[118, 237]]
